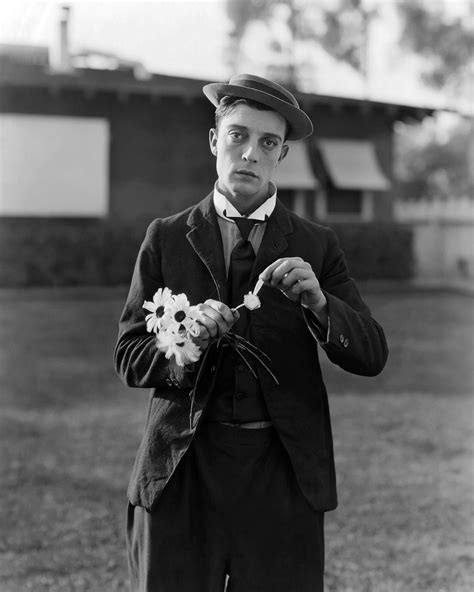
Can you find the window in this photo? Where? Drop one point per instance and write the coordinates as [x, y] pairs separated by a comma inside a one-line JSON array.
[[53, 166], [300, 202], [296, 182], [345, 201], [353, 176]]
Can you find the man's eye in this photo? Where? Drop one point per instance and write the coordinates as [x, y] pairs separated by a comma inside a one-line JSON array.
[[270, 143], [235, 135]]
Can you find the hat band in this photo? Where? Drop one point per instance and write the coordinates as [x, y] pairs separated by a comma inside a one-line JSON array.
[[254, 85]]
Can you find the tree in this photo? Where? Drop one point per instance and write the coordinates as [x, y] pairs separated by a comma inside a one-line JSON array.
[[345, 37], [341, 31], [434, 166], [241, 12], [447, 46]]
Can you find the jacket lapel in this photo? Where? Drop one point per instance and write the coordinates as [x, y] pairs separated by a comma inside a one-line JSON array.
[[205, 238], [274, 242]]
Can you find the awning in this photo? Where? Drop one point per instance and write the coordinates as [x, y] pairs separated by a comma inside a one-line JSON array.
[[353, 164], [294, 171]]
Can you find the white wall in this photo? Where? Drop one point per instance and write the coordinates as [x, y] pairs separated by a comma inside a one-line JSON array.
[[444, 249], [443, 236], [454, 208], [53, 166]]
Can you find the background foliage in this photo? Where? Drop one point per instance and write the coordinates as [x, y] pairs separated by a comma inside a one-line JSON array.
[[61, 252], [67, 251], [339, 29], [445, 45], [430, 165]]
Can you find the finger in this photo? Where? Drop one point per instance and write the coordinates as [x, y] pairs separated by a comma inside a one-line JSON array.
[[306, 289], [203, 344], [288, 292], [283, 271], [215, 322], [298, 288], [209, 325], [204, 332], [223, 310], [209, 320], [297, 274], [267, 273]]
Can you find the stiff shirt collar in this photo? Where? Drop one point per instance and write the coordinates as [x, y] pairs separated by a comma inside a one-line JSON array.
[[225, 209]]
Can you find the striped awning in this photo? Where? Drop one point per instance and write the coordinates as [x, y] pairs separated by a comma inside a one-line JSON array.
[[353, 164], [294, 171]]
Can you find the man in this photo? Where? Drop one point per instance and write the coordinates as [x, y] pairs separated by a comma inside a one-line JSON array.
[[234, 473]]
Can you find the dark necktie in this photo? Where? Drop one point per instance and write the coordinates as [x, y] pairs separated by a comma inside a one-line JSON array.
[[241, 262]]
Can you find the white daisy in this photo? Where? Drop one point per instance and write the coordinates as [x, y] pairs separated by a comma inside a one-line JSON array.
[[159, 314], [252, 301], [183, 316], [174, 344]]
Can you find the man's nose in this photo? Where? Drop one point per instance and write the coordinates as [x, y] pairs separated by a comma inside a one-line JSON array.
[[250, 152]]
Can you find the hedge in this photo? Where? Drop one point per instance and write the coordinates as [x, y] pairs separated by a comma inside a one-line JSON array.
[[377, 250], [67, 252], [62, 251]]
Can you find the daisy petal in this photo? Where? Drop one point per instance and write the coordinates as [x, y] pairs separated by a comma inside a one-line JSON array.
[[149, 306]]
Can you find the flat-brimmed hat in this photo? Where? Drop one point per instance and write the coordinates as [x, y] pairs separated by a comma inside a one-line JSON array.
[[255, 88]]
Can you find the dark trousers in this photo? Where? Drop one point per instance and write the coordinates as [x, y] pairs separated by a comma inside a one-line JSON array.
[[231, 511]]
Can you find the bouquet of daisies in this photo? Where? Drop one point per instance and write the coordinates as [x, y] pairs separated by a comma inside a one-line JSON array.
[[175, 323]]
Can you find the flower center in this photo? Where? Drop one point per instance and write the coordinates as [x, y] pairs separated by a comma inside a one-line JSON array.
[[180, 316], [160, 311]]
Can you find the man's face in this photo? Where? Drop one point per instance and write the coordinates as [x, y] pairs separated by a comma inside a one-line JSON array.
[[248, 145]]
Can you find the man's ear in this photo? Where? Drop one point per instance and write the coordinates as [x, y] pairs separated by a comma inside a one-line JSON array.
[[284, 152], [213, 140]]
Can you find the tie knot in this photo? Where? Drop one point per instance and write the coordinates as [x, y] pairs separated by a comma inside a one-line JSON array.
[[245, 225]]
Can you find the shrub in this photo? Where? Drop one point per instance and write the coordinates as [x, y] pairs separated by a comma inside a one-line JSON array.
[[84, 251], [61, 251], [377, 250]]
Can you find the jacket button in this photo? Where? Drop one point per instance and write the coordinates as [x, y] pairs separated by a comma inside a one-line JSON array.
[[241, 367], [341, 338], [346, 342], [212, 368], [239, 396]]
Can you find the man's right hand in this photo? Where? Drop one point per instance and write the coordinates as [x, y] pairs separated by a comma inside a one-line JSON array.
[[217, 319]]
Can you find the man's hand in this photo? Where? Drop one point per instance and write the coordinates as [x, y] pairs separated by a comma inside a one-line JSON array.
[[297, 280], [217, 319]]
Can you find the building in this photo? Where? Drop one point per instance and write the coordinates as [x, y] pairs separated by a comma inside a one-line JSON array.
[[118, 147]]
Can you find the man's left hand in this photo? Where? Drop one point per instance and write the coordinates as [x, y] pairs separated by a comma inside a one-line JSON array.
[[297, 280]]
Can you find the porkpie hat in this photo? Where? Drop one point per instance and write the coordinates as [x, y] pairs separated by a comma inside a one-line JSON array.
[[255, 88]]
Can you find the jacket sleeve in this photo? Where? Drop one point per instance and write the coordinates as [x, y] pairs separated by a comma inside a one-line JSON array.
[[137, 360], [354, 341]]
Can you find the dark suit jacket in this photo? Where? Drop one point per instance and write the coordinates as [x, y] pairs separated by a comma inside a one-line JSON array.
[[184, 253]]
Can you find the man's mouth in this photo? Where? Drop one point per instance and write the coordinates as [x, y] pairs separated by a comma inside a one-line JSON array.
[[246, 173]]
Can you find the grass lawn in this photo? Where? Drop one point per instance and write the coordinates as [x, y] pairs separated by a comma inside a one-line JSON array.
[[69, 431]]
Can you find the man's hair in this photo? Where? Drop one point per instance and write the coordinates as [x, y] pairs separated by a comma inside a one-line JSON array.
[[228, 103]]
